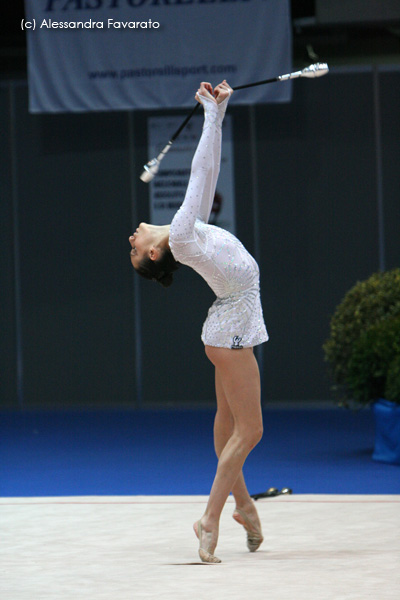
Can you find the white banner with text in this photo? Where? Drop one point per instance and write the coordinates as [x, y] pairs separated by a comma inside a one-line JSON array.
[[91, 55]]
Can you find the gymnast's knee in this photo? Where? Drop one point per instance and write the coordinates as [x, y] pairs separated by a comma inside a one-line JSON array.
[[255, 437], [248, 437]]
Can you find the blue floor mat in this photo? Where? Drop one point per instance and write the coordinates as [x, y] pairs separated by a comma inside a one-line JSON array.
[[327, 451]]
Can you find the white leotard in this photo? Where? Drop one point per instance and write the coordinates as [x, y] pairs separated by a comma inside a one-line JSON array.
[[235, 319]]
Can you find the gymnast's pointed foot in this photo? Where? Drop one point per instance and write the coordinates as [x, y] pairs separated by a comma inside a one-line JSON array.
[[208, 541], [252, 526]]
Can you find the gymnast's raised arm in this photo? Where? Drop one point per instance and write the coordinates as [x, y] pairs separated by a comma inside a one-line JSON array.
[[206, 162]]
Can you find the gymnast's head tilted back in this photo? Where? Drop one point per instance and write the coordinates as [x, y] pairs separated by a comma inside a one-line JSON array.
[[151, 256]]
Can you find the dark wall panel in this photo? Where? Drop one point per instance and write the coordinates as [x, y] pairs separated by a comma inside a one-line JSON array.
[[390, 119], [175, 368], [318, 218], [75, 219], [8, 354]]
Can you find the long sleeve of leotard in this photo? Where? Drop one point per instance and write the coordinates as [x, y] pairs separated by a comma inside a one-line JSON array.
[[204, 173]]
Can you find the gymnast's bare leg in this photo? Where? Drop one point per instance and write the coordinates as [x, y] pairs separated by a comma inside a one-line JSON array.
[[245, 512], [238, 381]]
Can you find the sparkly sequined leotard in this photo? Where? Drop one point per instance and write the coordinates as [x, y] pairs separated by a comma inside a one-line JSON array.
[[235, 319]]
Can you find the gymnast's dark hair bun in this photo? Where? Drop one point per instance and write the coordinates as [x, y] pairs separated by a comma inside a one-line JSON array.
[[160, 270], [166, 280]]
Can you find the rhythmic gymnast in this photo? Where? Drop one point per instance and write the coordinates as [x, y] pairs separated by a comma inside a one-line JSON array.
[[234, 324]]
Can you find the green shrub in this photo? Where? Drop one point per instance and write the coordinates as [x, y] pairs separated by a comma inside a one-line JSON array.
[[392, 391], [371, 361], [364, 344]]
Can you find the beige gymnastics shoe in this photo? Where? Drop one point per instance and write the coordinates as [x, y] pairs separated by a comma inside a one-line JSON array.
[[204, 554], [254, 533]]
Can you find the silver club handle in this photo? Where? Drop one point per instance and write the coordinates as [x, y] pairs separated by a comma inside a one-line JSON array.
[[316, 70]]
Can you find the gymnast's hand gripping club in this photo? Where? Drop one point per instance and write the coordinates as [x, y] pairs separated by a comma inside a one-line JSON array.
[[151, 169]]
